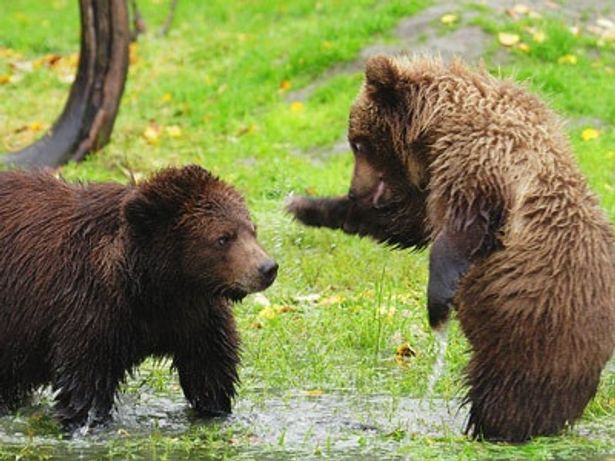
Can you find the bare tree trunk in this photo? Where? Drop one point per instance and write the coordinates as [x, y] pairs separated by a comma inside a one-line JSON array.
[[88, 116]]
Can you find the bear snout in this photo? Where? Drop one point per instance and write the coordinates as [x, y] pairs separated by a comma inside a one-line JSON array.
[[268, 271]]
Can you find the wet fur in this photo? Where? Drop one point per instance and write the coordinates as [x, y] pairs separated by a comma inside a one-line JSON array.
[[521, 247], [92, 283]]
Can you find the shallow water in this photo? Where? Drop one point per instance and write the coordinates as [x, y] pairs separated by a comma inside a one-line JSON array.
[[351, 426], [342, 426]]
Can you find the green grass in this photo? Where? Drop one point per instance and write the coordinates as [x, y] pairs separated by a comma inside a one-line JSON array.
[[220, 76]]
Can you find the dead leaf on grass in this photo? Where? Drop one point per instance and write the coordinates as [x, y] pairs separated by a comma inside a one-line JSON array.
[[173, 131], [314, 392], [405, 350], [333, 299], [568, 59], [508, 39], [296, 106], [590, 133], [449, 19], [152, 133]]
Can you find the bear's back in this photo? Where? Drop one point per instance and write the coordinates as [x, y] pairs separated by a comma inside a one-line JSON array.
[[50, 235]]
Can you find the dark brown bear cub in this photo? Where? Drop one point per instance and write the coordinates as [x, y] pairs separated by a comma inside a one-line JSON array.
[[95, 278], [520, 247]]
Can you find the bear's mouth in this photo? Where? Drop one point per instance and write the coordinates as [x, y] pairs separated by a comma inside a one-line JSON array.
[[379, 197], [235, 294]]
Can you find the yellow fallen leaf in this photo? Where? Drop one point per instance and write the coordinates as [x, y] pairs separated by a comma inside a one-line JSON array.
[[284, 308], [449, 19], [4, 79], [539, 36], [508, 39], [174, 131], [285, 85], [523, 47], [314, 392], [152, 133], [589, 133], [405, 350], [567, 59], [35, 126], [268, 313], [333, 299], [167, 97], [256, 325], [296, 106], [49, 60]]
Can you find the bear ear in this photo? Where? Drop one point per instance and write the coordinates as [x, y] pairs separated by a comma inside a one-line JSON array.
[[159, 200], [145, 213], [381, 80]]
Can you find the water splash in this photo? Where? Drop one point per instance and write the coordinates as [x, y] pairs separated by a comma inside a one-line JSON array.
[[441, 336]]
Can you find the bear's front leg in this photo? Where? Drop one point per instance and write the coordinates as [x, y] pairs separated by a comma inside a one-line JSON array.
[[452, 253], [320, 212], [207, 365]]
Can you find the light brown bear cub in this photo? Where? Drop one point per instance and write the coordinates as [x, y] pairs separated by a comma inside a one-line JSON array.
[[520, 247]]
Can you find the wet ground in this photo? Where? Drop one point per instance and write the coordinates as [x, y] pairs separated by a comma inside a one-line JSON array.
[[342, 426], [351, 426]]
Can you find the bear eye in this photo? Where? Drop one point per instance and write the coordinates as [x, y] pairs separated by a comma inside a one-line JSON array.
[[224, 240], [356, 146]]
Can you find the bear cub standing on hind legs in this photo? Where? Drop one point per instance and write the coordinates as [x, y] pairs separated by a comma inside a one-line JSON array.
[[95, 278], [520, 246]]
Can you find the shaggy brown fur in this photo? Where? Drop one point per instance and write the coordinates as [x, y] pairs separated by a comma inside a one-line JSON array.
[[520, 245], [95, 278]]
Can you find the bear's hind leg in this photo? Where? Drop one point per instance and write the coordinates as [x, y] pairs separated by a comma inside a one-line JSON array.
[[11, 399], [85, 392], [514, 404], [18, 381]]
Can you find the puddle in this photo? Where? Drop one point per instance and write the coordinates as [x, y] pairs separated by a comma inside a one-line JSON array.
[[351, 426], [266, 427]]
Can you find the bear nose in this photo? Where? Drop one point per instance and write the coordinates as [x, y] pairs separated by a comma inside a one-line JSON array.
[[269, 270]]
